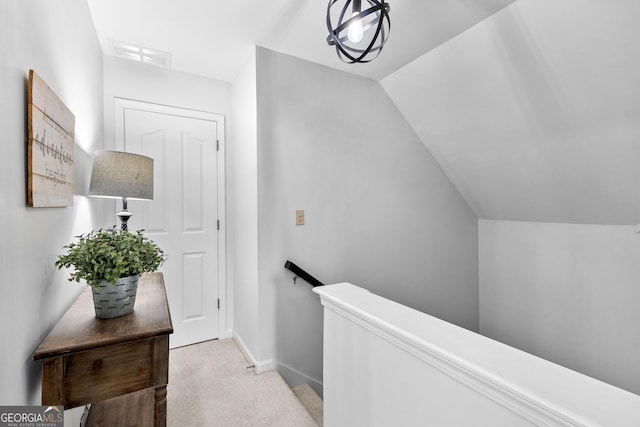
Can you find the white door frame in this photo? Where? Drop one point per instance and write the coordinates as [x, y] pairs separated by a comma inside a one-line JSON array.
[[120, 106]]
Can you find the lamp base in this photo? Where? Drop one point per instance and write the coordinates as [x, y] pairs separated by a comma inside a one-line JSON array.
[[124, 216]]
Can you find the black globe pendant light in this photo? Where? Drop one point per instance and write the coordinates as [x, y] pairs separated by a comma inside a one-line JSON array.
[[358, 33]]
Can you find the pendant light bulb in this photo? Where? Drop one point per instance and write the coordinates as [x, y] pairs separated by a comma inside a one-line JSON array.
[[356, 31]]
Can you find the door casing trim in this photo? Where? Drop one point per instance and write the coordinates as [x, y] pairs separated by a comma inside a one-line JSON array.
[[120, 105]]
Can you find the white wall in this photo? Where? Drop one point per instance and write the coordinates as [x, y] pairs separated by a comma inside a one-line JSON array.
[[242, 206], [533, 113], [386, 364], [378, 208], [565, 292], [58, 41], [148, 83]]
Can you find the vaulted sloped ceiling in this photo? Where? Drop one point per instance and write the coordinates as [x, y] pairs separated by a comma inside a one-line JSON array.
[[532, 107], [215, 38], [534, 113]]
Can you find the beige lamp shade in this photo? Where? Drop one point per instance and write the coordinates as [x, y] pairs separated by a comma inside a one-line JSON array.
[[121, 175]]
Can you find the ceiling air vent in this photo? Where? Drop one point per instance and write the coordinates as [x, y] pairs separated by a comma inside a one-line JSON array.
[[141, 54]]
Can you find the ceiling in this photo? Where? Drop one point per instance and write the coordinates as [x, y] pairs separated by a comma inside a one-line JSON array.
[[531, 109], [215, 38], [534, 114]]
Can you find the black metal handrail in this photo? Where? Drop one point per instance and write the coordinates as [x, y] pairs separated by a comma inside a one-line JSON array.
[[302, 274]]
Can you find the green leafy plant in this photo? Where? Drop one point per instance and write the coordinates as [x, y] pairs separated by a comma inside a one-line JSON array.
[[109, 254]]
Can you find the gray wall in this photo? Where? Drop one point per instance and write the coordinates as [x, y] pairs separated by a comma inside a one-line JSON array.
[[533, 113], [566, 292], [58, 41], [380, 212], [242, 209]]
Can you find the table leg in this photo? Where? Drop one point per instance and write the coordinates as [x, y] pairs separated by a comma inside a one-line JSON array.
[[160, 414]]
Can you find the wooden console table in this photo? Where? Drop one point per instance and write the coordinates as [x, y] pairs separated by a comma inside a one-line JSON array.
[[119, 365]]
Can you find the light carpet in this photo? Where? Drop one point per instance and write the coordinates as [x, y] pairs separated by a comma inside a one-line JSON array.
[[311, 401], [210, 384]]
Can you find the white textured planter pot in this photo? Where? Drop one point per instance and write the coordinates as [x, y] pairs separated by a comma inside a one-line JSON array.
[[114, 301]]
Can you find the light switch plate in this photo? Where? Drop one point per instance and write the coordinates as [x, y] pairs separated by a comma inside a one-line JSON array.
[[300, 217]]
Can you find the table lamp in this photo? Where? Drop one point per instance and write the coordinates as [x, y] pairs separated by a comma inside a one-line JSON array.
[[116, 174]]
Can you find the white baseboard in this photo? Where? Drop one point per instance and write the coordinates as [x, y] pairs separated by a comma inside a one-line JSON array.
[[264, 366], [243, 348], [294, 378], [261, 366]]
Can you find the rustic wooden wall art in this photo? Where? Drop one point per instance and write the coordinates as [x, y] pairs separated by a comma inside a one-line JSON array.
[[50, 150]]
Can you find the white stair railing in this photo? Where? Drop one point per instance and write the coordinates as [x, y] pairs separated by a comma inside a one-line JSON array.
[[388, 365]]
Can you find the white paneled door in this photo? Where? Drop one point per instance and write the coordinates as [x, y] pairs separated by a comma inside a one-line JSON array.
[[183, 218]]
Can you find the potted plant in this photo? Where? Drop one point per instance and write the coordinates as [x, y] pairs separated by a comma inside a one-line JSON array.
[[110, 261]]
